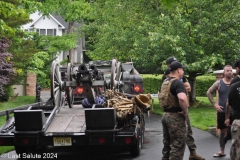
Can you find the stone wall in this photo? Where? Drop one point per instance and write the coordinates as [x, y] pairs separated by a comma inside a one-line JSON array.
[[31, 84]]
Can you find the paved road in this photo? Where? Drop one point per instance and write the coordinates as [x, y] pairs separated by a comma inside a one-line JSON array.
[[207, 145]]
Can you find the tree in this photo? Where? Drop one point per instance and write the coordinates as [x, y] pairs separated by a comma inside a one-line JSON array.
[[6, 70], [201, 34], [11, 17], [24, 48], [73, 12]]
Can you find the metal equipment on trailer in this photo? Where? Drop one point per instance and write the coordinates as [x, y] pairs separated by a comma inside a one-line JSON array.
[[118, 122]]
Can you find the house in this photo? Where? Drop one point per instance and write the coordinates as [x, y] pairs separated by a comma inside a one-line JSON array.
[[54, 25]]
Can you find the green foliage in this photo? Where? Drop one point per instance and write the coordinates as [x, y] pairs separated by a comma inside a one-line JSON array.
[[12, 15], [203, 83], [201, 34], [152, 84], [54, 44], [8, 92]]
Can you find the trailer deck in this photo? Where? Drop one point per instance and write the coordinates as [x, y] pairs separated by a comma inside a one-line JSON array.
[[68, 120]]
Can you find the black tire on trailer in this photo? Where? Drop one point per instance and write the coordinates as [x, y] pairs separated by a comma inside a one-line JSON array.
[[142, 130], [136, 148]]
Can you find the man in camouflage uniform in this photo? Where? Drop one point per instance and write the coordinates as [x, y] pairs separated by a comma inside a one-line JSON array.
[[175, 114], [233, 103], [190, 140]]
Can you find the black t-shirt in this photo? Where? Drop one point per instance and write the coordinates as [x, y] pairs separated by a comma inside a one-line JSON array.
[[234, 99], [235, 79], [163, 78], [177, 87]]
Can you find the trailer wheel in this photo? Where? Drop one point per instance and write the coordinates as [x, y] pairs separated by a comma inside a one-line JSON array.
[[142, 130], [56, 83], [113, 74], [136, 148], [142, 138], [69, 90]]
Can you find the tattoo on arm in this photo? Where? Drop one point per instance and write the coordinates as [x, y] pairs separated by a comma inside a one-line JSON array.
[[211, 90]]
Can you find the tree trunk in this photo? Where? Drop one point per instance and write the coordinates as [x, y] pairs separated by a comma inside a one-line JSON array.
[[192, 94], [71, 51]]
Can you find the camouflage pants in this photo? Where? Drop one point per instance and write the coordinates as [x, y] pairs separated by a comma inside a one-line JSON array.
[[174, 136], [190, 140], [235, 149]]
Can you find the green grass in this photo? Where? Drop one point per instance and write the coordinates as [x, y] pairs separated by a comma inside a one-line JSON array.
[[202, 114], [17, 102]]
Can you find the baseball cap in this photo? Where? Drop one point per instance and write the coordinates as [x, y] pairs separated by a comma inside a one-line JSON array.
[[175, 65], [170, 60], [237, 63], [167, 71]]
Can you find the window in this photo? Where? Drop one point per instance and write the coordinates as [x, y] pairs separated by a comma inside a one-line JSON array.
[[42, 32], [47, 32], [51, 32]]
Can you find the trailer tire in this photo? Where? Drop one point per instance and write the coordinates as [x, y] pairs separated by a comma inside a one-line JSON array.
[[136, 148], [142, 138], [142, 130]]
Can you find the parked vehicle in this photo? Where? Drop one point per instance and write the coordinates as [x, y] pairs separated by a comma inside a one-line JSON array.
[[103, 125]]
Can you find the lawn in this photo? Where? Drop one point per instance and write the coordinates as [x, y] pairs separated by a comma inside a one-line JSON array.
[[17, 102], [202, 115]]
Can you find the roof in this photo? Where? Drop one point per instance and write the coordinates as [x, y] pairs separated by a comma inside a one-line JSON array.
[[221, 71], [58, 19]]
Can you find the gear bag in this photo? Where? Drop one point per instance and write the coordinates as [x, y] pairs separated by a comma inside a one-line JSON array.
[[164, 95]]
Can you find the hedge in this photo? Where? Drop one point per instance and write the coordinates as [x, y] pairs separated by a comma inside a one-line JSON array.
[[152, 84]]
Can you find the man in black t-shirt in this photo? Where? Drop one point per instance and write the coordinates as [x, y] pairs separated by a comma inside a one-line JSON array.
[[175, 115], [190, 140], [234, 104]]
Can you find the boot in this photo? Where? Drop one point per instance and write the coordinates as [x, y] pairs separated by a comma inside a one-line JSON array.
[[195, 156]]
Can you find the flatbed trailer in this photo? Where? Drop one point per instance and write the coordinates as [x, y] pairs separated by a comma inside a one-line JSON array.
[[51, 124], [39, 127]]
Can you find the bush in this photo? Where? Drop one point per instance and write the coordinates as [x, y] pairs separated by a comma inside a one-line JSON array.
[[8, 92], [203, 83], [152, 84]]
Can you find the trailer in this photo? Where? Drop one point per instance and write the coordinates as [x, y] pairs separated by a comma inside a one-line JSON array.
[[100, 126]]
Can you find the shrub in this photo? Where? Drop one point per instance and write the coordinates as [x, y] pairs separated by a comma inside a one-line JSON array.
[[152, 84], [8, 92]]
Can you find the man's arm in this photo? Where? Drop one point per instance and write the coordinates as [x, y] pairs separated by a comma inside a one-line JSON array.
[[183, 103], [187, 86], [227, 114], [210, 92]]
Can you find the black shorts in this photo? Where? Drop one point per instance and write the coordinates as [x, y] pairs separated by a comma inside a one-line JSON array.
[[221, 120]]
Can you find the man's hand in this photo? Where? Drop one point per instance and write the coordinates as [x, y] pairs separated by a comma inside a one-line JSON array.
[[227, 121], [218, 108]]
